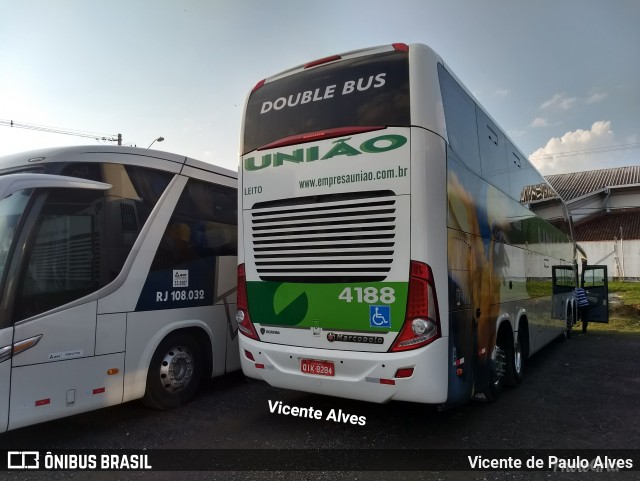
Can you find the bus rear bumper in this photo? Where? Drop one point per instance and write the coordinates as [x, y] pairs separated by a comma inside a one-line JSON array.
[[357, 375]]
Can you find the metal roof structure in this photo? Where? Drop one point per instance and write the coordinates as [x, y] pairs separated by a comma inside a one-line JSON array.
[[577, 184], [603, 226], [606, 223]]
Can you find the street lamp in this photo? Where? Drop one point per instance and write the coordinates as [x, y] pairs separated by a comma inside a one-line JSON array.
[[159, 139]]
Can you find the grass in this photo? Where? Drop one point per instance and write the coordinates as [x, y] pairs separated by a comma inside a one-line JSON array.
[[624, 309], [616, 324], [628, 291]]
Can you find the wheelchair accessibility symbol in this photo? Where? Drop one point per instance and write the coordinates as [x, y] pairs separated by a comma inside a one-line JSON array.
[[379, 316]]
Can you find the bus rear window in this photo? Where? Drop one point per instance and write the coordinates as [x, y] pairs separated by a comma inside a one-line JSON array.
[[364, 91]]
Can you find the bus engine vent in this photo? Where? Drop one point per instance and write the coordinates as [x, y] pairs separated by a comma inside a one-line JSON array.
[[325, 239]]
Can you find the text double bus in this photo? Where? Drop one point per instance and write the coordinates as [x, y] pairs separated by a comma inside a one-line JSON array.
[[396, 245], [117, 279]]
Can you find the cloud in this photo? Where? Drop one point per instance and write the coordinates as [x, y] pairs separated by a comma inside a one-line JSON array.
[[567, 153], [539, 122], [597, 97], [559, 101], [502, 93]]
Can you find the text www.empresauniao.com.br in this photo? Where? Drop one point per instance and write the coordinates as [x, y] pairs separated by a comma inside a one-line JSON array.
[[361, 176]]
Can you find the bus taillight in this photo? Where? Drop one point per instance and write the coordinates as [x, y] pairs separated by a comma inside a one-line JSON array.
[[321, 61], [259, 85], [422, 321], [245, 326]]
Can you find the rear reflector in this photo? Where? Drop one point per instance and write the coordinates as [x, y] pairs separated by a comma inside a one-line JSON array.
[[99, 390], [404, 372], [43, 402]]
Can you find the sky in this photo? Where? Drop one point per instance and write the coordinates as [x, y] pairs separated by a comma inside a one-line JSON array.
[[561, 77]]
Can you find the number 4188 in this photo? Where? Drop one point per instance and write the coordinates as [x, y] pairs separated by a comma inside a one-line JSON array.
[[369, 295]]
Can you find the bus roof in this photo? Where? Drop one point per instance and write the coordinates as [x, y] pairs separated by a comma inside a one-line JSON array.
[[347, 55], [105, 153]]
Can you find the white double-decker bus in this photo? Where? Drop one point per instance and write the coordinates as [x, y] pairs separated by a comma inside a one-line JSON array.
[[395, 243], [117, 279]]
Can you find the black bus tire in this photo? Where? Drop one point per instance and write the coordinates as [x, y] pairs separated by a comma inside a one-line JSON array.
[[515, 372], [570, 322], [501, 359]]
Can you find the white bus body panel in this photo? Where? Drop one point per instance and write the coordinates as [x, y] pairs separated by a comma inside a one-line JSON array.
[[359, 372], [111, 331], [427, 110], [69, 333], [71, 387], [284, 181], [57, 377], [429, 212]]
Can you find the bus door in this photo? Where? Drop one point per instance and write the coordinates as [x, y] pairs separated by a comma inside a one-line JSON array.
[[13, 205], [48, 334], [595, 283], [564, 279]]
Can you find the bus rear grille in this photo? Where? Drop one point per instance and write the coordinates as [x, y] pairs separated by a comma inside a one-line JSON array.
[[325, 239]]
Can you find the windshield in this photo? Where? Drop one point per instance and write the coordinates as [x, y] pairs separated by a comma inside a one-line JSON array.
[[359, 92], [11, 209]]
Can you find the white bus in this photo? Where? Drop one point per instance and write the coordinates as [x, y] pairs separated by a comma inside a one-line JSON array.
[[395, 243], [117, 279]]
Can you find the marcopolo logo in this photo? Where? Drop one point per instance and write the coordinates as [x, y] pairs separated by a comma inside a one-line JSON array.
[[375, 145], [333, 337]]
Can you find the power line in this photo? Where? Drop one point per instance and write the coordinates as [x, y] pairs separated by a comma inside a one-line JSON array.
[[598, 150], [62, 131]]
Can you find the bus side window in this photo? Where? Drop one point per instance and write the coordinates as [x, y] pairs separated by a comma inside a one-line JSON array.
[[460, 117], [129, 204], [203, 225], [493, 154], [65, 262]]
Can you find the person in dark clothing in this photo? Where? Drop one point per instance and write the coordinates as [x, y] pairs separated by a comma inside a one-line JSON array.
[[583, 306]]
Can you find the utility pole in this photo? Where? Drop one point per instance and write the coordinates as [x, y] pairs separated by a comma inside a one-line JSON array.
[[119, 139]]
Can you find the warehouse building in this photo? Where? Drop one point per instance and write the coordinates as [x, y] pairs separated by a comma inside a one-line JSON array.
[[605, 206]]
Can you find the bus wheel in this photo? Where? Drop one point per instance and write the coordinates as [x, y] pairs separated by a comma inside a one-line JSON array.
[[174, 373], [569, 322], [515, 368], [501, 356]]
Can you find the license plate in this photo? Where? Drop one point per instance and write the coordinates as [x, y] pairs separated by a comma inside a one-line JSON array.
[[319, 368]]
